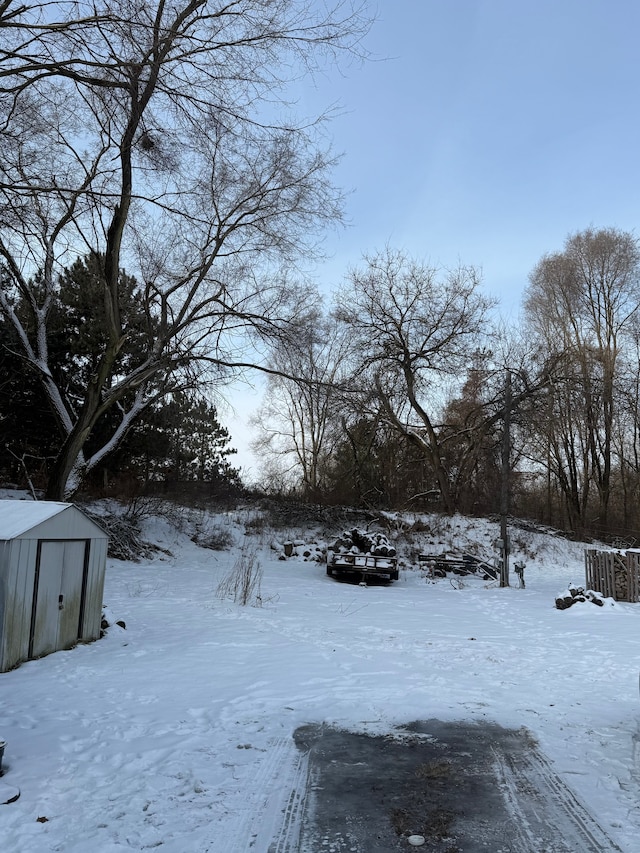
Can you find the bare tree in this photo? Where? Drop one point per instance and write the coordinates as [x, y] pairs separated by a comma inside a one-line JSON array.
[[583, 303], [625, 488], [158, 137], [414, 330], [506, 384], [299, 420]]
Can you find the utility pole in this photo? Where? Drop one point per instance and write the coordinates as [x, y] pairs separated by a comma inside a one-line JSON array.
[[506, 482]]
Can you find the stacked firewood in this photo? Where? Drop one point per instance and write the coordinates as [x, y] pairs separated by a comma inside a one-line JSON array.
[[577, 594], [621, 583], [108, 619], [363, 542]]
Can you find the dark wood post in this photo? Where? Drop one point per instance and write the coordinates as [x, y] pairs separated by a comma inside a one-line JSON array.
[[506, 482]]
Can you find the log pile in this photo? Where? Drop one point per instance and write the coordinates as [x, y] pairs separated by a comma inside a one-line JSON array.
[[578, 595], [309, 551], [362, 542], [108, 619], [621, 583]]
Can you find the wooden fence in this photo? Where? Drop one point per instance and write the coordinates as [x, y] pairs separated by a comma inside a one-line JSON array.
[[615, 574]]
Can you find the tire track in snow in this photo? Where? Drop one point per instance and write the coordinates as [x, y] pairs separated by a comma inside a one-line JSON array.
[[270, 821], [545, 809]]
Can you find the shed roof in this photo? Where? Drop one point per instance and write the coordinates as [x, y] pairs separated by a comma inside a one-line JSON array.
[[16, 517]]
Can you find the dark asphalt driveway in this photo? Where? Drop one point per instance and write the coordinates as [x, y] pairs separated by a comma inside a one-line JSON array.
[[463, 787]]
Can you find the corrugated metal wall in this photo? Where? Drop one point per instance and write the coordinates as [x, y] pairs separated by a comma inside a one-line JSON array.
[[19, 576], [95, 590], [69, 553]]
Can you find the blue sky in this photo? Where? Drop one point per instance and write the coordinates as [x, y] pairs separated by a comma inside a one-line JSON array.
[[486, 131]]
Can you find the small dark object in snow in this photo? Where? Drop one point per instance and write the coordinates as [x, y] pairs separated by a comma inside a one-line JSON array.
[[42, 819], [8, 794], [121, 623]]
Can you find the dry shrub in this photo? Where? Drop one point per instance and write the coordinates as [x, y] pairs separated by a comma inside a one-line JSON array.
[[243, 582], [256, 524], [216, 537]]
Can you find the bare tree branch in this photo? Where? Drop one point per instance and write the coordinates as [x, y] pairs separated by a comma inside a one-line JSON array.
[[158, 137]]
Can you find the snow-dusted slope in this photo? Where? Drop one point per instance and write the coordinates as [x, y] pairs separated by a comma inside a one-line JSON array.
[[175, 734]]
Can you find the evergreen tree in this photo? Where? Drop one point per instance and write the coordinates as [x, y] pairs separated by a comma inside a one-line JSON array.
[[28, 431], [177, 439]]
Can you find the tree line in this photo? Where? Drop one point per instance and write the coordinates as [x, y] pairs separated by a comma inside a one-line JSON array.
[[401, 391]]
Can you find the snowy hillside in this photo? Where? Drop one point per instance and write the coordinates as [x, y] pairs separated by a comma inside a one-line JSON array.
[[176, 732]]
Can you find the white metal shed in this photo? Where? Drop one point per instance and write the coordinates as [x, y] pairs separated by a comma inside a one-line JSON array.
[[52, 565]]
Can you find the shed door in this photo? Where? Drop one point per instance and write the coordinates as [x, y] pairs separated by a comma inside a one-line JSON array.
[[60, 586]]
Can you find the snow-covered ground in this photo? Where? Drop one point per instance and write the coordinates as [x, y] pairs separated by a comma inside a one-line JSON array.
[[175, 733]]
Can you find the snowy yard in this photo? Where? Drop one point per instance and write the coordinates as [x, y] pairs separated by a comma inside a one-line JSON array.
[[176, 733]]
